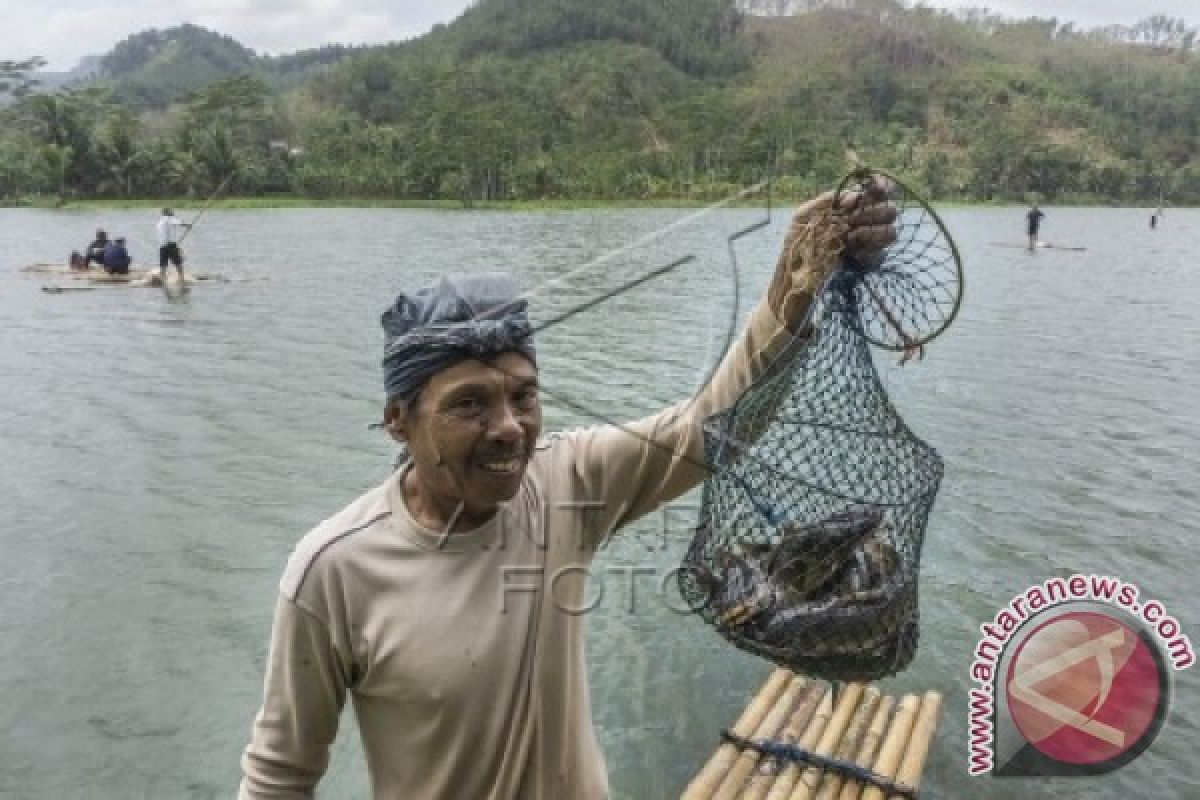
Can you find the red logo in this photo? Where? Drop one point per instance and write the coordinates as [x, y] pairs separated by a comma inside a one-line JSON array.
[[1087, 691]]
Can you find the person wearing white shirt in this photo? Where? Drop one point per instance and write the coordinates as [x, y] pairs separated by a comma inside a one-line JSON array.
[[168, 229]]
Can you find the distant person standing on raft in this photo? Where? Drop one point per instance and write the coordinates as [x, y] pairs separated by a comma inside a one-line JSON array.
[[168, 229], [1034, 218]]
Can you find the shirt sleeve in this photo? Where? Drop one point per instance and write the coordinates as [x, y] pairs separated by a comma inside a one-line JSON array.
[[625, 472], [303, 698]]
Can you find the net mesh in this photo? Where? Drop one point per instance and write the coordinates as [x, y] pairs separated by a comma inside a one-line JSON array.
[[809, 541]]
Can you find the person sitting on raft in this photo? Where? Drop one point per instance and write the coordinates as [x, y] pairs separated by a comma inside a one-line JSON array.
[[116, 257], [95, 250]]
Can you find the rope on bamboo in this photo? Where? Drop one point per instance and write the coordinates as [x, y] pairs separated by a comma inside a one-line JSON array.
[[781, 787], [831, 783], [847, 700], [870, 745], [768, 770], [798, 755], [894, 745], [704, 784], [742, 769]]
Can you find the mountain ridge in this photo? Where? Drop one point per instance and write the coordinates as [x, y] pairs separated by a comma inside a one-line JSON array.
[[531, 99]]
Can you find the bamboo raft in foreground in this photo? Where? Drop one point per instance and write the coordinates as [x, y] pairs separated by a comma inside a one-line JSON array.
[[797, 716]]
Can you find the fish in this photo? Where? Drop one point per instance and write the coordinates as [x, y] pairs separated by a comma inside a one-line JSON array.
[[813, 565], [834, 593], [809, 556]]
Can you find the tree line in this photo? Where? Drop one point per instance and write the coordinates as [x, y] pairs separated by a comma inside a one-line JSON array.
[[635, 100]]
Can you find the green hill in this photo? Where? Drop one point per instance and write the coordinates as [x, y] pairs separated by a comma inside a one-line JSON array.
[[154, 68], [640, 99]]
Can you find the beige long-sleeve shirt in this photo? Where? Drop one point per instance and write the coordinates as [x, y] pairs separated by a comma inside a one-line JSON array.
[[464, 655]]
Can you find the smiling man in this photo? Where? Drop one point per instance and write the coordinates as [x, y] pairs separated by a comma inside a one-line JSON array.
[[443, 602]]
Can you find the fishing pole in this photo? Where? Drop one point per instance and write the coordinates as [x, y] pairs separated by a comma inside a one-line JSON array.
[[212, 199]]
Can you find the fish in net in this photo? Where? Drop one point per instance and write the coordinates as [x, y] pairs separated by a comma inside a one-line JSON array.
[[812, 519]]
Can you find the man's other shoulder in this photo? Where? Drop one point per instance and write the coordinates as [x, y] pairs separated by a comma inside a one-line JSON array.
[[361, 516]]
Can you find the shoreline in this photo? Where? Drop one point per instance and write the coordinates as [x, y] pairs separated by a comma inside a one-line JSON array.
[[284, 202]]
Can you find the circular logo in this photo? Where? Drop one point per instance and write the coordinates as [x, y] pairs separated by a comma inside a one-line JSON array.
[[1087, 689]]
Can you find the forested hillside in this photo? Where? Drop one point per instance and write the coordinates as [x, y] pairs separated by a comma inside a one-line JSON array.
[[152, 69], [634, 99]]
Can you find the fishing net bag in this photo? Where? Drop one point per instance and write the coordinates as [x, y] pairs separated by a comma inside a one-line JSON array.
[[808, 544]]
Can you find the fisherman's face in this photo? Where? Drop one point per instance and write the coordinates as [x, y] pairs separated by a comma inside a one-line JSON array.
[[471, 431]]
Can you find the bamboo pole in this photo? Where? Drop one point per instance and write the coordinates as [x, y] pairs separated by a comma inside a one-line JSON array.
[[870, 746], [731, 787], [894, 745], [762, 781], [787, 776], [710, 777], [832, 784], [919, 741], [806, 787]]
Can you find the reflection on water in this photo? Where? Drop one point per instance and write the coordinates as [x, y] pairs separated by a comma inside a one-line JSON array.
[[161, 456]]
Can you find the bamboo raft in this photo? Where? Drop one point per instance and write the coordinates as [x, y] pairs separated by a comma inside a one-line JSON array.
[[94, 279], [135, 276], [805, 724]]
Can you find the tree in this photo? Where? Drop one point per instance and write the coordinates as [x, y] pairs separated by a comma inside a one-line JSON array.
[[15, 80]]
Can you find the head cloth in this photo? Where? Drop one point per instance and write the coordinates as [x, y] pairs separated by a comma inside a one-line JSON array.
[[458, 318]]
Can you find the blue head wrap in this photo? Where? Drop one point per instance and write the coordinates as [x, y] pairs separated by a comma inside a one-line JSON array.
[[460, 317]]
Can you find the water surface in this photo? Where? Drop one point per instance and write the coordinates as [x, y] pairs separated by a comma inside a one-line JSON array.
[[159, 458]]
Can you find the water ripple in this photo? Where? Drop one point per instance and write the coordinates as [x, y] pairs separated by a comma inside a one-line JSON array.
[[162, 458]]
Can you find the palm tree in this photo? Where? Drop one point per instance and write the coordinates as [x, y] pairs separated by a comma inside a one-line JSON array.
[[216, 154], [56, 159]]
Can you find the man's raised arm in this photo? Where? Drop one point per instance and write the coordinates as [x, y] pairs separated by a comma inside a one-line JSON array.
[[635, 468]]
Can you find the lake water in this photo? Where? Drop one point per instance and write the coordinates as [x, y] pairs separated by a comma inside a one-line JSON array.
[[159, 458]]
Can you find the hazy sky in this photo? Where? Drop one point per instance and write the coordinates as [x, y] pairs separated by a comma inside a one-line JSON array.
[[64, 30]]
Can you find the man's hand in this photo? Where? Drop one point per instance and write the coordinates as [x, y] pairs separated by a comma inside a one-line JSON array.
[[862, 224]]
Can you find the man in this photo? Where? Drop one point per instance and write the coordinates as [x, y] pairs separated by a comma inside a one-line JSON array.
[[168, 229], [95, 250], [116, 257], [1034, 224], [445, 602]]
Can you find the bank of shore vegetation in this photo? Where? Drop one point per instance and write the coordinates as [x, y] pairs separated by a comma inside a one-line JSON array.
[[626, 100]]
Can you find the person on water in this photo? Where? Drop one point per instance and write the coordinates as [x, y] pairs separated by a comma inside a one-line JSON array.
[[1034, 224], [95, 250], [116, 257], [445, 603], [168, 229]]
